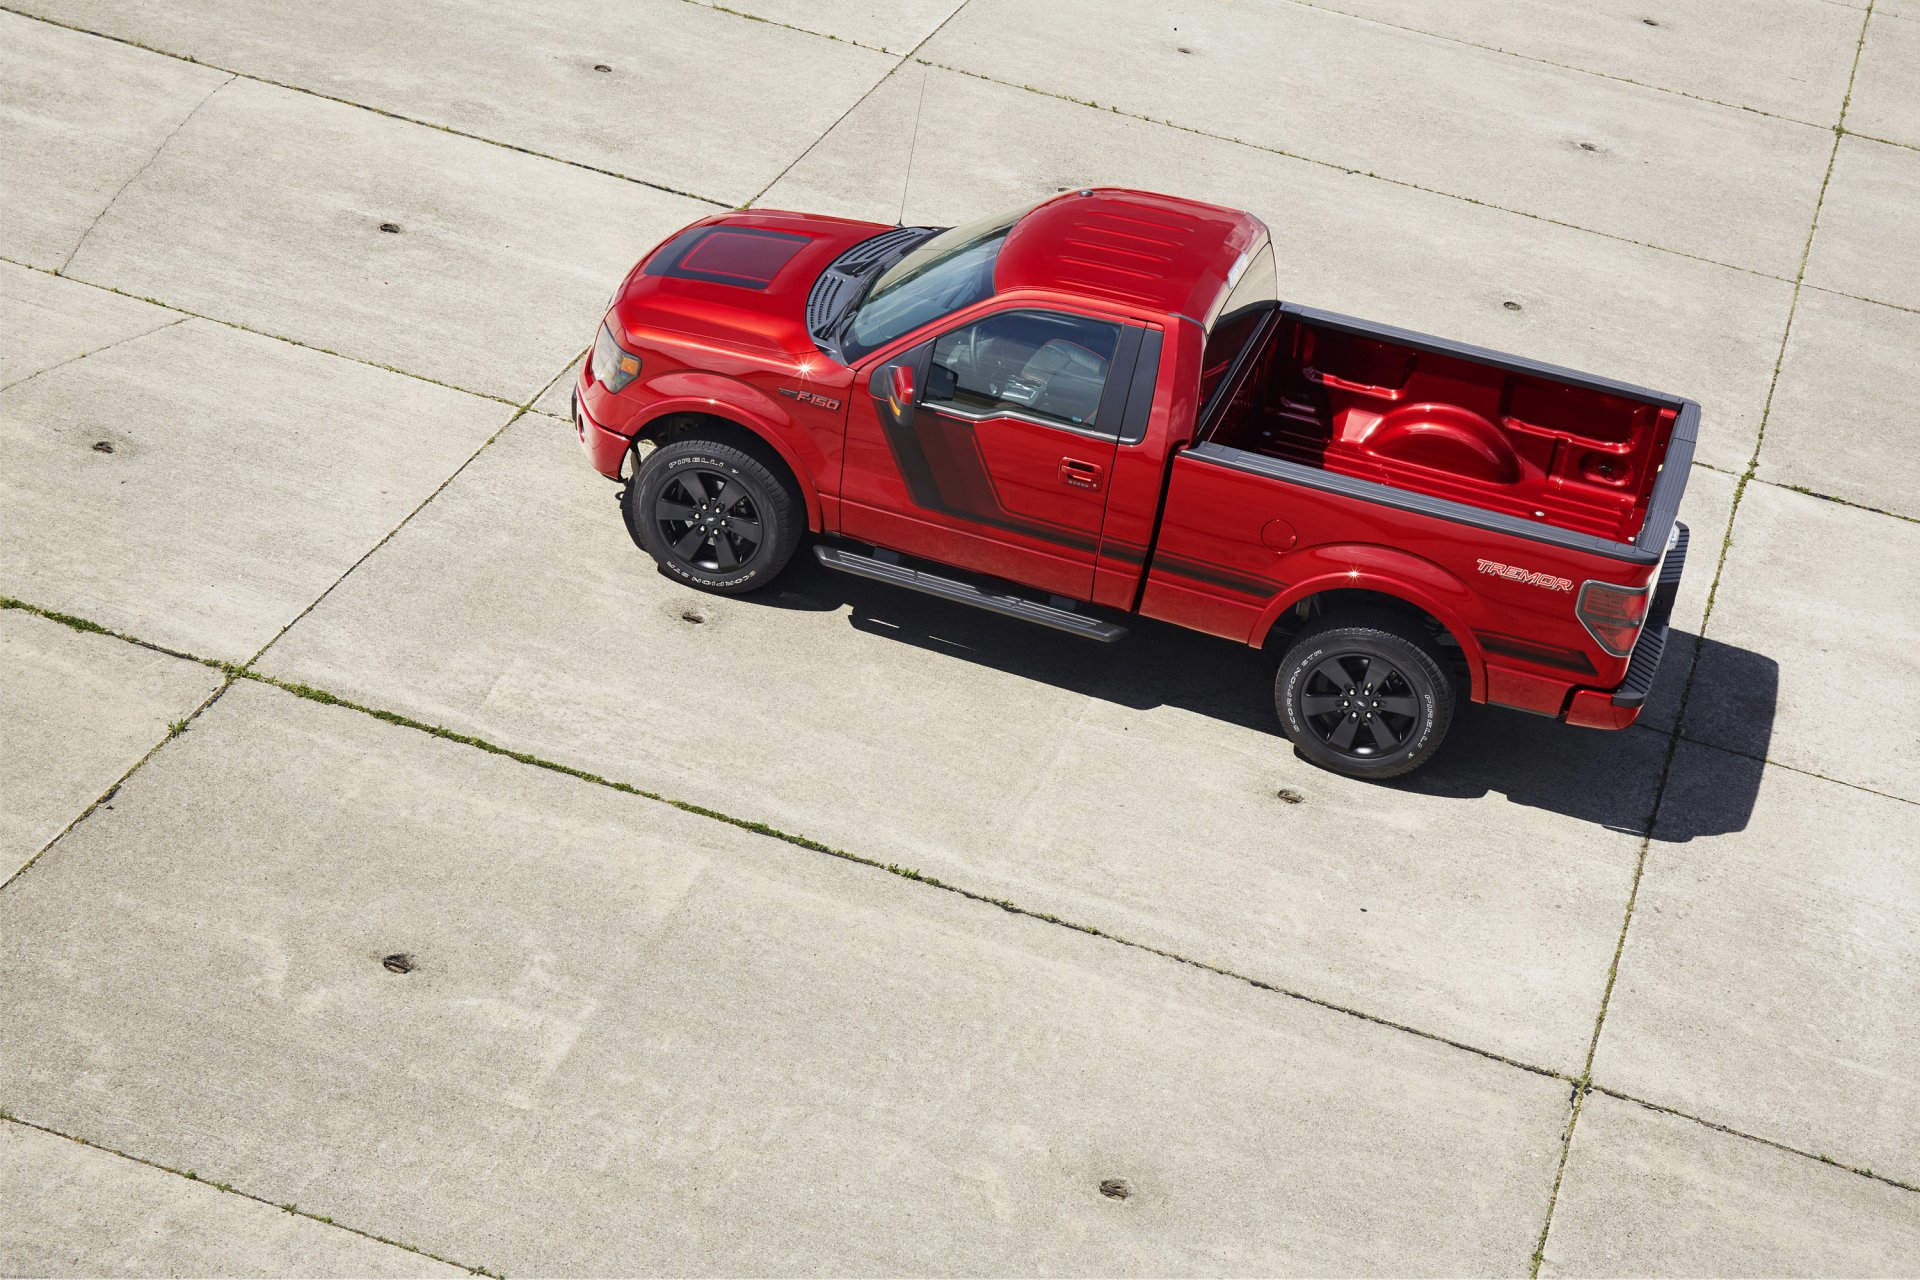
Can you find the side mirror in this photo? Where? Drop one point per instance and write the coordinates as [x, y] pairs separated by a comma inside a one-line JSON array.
[[900, 387]]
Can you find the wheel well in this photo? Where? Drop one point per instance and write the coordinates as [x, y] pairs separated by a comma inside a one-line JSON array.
[[711, 426], [1324, 603]]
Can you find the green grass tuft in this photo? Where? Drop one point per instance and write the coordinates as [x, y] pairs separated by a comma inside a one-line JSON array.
[[54, 615]]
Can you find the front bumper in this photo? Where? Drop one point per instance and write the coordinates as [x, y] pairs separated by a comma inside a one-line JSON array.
[[1618, 708], [607, 450]]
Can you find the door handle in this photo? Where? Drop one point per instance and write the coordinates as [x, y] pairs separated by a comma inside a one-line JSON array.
[[1080, 475]]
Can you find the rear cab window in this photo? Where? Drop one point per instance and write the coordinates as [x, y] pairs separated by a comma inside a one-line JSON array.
[[1251, 296]]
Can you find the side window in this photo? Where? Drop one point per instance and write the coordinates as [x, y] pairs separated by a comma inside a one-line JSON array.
[[1038, 363]]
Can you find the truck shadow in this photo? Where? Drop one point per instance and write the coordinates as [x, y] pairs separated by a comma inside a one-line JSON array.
[[1608, 779], [1614, 779]]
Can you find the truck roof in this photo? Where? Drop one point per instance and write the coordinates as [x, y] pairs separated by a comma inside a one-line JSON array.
[[1158, 252]]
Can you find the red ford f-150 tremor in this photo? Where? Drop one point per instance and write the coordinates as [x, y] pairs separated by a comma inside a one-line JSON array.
[[1098, 405]]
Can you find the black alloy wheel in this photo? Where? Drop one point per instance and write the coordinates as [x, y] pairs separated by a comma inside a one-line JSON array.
[[719, 514], [1366, 692], [708, 521], [1360, 705]]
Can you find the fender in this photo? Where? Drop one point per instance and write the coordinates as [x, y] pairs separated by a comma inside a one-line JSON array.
[[692, 391], [1400, 574]]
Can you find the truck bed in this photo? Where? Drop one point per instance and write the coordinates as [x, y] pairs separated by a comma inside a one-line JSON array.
[[1523, 441]]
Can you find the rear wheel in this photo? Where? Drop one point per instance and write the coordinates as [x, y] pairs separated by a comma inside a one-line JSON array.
[[1365, 694], [713, 515]]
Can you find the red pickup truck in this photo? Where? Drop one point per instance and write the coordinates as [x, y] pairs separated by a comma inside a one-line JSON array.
[[1098, 406]]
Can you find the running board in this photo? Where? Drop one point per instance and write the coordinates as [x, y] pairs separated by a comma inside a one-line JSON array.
[[885, 570]]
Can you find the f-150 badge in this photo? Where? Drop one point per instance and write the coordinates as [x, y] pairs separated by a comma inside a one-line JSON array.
[[1514, 573], [808, 397]]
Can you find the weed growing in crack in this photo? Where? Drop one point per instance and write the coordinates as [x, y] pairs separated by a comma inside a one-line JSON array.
[[53, 615]]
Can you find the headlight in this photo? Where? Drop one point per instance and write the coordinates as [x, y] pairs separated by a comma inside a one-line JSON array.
[[613, 366]]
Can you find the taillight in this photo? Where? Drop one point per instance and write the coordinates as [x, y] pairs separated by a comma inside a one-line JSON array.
[[1613, 615]]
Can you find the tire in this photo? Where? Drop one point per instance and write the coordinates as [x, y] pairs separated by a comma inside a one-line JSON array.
[[1370, 725], [714, 515]]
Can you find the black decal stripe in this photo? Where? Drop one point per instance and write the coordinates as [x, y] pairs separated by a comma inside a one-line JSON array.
[[1199, 571], [911, 460], [910, 456], [1546, 655]]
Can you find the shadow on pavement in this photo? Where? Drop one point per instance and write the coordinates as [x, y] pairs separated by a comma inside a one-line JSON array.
[[1605, 778]]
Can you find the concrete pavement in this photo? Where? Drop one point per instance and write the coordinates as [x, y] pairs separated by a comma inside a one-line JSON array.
[[980, 952], [613, 1003]]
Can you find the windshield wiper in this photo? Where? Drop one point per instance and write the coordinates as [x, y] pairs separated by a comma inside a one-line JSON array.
[[844, 320], [868, 276]]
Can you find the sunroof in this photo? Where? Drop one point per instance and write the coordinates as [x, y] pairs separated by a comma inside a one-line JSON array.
[[747, 257]]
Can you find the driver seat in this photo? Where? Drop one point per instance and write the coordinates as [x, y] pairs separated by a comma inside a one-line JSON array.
[[1070, 379]]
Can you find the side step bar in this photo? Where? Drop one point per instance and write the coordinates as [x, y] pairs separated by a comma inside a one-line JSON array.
[[890, 570]]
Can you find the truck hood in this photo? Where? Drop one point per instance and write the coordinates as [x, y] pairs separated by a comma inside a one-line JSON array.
[[737, 281]]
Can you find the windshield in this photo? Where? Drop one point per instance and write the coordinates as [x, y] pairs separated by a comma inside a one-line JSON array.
[[952, 270]]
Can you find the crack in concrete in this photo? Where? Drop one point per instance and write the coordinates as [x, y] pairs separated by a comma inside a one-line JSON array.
[[1375, 22], [757, 827], [872, 89], [1581, 1085], [189, 1175], [788, 26], [1885, 142], [263, 333], [173, 731], [61, 270], [521, 411], [1732, 1132], [1585, 1083], [1564, 66], [120, 342], [1362, 173], [233, 671], [385, 538], [1771, 763], [1859, 297], [911, 56], [360, 106], [1828, 497], [313, 694]]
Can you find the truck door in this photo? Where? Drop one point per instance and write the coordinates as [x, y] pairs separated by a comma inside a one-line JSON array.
[[991, 446]]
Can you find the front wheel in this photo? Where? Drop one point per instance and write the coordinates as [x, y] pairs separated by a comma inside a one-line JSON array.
[[713, 515], [1366, 695]]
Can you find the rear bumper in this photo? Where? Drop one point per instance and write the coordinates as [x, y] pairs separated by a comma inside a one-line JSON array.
[[607, 450], [1618, 708]]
